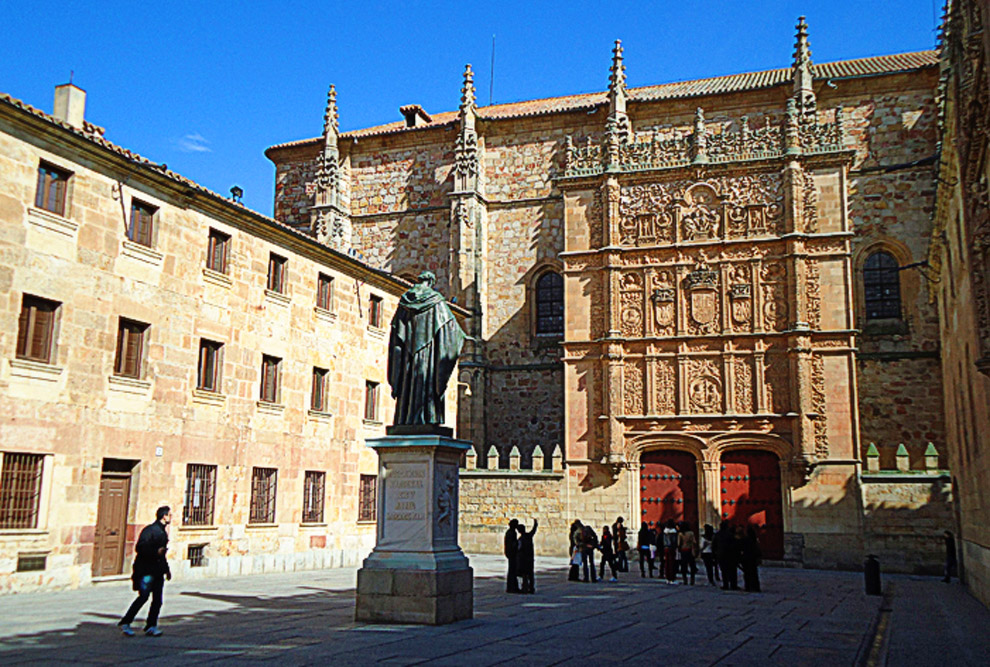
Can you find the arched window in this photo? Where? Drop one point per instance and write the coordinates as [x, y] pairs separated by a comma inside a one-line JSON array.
[[550, 304], [881, 287]]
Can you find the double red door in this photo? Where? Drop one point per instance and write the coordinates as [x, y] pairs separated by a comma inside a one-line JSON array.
[[668, 487], [751, 496]]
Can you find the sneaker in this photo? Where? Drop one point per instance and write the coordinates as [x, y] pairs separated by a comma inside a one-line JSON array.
[[153, 631], [126, 629], [613, 579]]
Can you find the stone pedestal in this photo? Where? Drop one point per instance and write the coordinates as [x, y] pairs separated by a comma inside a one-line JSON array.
[[417, 573]]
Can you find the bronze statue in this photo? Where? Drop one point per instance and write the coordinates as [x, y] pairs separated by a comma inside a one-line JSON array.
[[423, 347]]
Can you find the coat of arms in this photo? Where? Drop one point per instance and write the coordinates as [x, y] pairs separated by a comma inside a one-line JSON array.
[[704, 306]]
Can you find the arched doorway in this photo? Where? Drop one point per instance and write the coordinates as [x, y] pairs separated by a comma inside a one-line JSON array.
[[668, 487], [750, 482]]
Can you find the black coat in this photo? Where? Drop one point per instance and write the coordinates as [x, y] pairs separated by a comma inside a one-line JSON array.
[[147, 560]]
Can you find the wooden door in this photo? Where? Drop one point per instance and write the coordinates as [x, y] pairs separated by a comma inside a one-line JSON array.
[[751, 496], [111, 525], [668, 487]]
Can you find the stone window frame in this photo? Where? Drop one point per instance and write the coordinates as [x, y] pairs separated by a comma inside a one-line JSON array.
[[63, 198], [130, 351], [908, 288], [531, 279], [136, 232]]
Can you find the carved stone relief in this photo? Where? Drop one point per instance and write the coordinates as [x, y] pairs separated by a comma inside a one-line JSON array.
[[813, 293], [631, 305], [666, 387], [701, 290], [664, 301], [773, 279], [632, 388], [776, 381], [742, 385], [818, 405], [704, 386], [741, 298], [699, 217]]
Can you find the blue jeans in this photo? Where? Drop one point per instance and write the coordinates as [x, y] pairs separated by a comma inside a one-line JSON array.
[[588, 559], [155, 591]]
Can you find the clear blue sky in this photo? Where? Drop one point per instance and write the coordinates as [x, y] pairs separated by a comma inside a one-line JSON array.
[[207, 86]]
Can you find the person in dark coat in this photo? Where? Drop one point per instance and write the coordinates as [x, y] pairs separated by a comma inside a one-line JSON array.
[[607, 547], [752, 556], [647, 547], [621, 538], [526, 556], [950, 556], [512, 556], [726, 553], [576, 539], [589, 542], [149, 573]]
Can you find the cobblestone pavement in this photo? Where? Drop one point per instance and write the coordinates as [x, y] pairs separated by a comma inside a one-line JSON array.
[[803, 617]]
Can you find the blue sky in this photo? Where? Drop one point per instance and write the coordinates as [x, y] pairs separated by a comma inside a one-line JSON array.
[[206, 87]]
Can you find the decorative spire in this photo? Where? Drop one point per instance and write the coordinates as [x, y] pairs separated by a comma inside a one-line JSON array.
[[617, 82], [330, 118], [467, 91], [700, 138], [801, 72]]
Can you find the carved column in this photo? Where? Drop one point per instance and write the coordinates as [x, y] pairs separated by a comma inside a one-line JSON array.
[[759, 396], [711, 491], [801, 365], [613, 378]]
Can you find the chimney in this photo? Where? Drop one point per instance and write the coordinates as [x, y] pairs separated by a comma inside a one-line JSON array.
[[70, 104], [415, 115]]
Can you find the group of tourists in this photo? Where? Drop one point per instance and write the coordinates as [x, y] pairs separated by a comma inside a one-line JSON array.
[[613, 545], [518, 546]]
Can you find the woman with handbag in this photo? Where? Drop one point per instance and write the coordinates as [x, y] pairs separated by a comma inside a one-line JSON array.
[[687, 547]]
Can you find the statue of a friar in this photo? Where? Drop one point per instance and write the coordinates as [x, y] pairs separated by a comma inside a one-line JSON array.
[[423, 347]]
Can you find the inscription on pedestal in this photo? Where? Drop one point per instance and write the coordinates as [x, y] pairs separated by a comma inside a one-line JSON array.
[[405, 498]]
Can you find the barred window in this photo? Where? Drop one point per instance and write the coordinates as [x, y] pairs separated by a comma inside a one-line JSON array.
[[52, 186], [263, 483], [20, 490], [318, 400], [36, 328], [217, 251], [142, 217], [368, 497], [276, 273], [324, 292], [881, 286], [201, 484], [130, 348], [550, 304], [313, 485]]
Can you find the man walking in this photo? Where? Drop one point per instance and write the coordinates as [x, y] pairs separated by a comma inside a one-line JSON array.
[[525, 557], [511, 547], [150, 572]]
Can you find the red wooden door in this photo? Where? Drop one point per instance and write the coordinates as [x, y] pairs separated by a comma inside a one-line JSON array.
[[111, 525], [668, 487], [751, 496]]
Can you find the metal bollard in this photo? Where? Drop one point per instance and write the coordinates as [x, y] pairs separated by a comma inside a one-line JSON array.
[[871, 571]]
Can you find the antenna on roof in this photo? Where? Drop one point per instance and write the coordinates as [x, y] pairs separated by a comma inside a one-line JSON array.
[[491, 80], [72, 73]]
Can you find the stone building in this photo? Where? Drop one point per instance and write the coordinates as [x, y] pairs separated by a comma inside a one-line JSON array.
[[705, 293], [161, 344], [959, 262]]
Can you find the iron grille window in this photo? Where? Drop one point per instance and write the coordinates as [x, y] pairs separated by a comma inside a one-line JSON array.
[[217, 251], [324, 292], [35, 328], [270, 367], [208, 371], [200, 499], [375, 311], [31, 562], [550, 304], [197, 555], [130, 348], [20, 490], [276, 273], [142, 217], [368, 497], [52, 186], [881, 286], [313, 485], [263, 483], [318, 402], [371, 401]]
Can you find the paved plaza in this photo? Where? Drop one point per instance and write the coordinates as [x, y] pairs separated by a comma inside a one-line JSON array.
[[803, 617]]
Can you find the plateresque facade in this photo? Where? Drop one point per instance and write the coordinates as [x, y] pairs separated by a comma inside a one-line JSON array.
[[700, 292]]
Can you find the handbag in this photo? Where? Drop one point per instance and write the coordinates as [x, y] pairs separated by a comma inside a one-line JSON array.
[[576, 558], [653, 551]]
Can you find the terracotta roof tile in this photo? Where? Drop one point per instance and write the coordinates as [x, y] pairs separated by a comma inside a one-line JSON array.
[[874, 65]]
